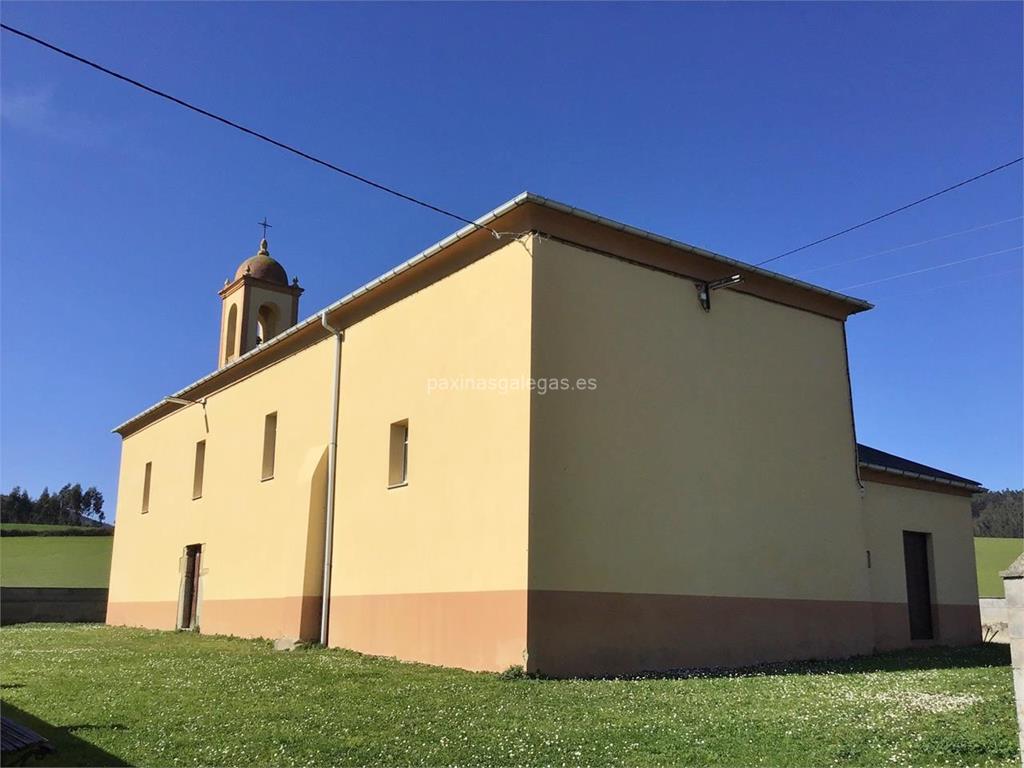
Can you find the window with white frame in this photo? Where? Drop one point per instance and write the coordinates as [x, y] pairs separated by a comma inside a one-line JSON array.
[[197, 474], [269, 445], [146, 480], [398, 454]]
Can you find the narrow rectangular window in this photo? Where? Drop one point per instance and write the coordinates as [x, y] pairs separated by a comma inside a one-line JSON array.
[[269, 444], [398, 454], [197, 475], [145, 486]]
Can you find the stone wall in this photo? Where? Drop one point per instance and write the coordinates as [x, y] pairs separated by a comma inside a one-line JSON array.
[[52, 604]]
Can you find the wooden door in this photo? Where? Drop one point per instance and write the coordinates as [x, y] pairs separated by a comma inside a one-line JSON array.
[[190, 598], [919, 591]]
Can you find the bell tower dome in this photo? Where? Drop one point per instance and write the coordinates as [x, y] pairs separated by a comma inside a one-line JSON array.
[[256, 305]]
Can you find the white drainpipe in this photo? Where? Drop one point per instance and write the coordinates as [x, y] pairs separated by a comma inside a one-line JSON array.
[[332, 454]]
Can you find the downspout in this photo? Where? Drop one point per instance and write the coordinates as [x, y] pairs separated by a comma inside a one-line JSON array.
[[853, 417], [861, 491], [332, 460]]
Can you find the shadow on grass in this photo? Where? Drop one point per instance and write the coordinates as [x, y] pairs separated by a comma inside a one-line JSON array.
[[71, 750], [935, 657]]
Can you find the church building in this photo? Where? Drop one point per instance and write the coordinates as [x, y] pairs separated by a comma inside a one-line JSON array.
[[550, 440]]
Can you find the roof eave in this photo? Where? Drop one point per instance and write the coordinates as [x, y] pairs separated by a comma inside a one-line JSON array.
[[860, 305], [969, 486]]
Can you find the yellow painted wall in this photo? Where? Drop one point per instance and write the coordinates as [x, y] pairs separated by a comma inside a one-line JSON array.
[[715, 456], [889, 510], [254, 533], [453, 360], [460, 525], [704, 454]]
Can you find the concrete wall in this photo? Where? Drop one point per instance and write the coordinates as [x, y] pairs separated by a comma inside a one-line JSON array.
[[262, 540], [435, 570], [995, 619], [52, 604], [683, 493], [701, 505], [1013, 586], [889, 510]]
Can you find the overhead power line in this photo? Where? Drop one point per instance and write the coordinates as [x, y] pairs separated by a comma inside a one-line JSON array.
[[909, 245], [975, 279], [244, 129], [885, 215], [932, 268], [402, 195]]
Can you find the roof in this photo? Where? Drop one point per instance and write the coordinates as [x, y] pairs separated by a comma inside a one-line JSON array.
[[484, 225], [263, 267], [872, 458]]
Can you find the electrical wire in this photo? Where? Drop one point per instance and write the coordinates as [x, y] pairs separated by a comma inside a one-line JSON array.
[[244, 129], [909, 245], [410, 198], [932, 268], [974, 279], [932, 196]]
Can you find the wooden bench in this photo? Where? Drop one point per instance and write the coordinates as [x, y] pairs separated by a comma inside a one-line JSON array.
[[18, 743]]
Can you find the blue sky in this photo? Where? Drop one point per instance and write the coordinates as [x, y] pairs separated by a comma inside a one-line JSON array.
[[748, 129]]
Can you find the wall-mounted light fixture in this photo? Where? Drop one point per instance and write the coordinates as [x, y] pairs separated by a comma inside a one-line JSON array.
[[704, 289], [182, 401]]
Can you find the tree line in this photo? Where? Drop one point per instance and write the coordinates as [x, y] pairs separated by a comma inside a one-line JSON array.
[[995, 513], [999, 513], [69, 506]]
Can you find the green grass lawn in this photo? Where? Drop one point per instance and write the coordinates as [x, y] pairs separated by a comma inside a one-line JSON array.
[[993, 556], [55, 561], [111, 696]]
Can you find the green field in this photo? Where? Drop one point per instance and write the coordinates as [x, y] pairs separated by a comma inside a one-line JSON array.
[[115, 696], [993, 556], [55, 561]]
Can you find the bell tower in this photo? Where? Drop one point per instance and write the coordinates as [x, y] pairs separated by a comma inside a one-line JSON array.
[[257, 305]]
